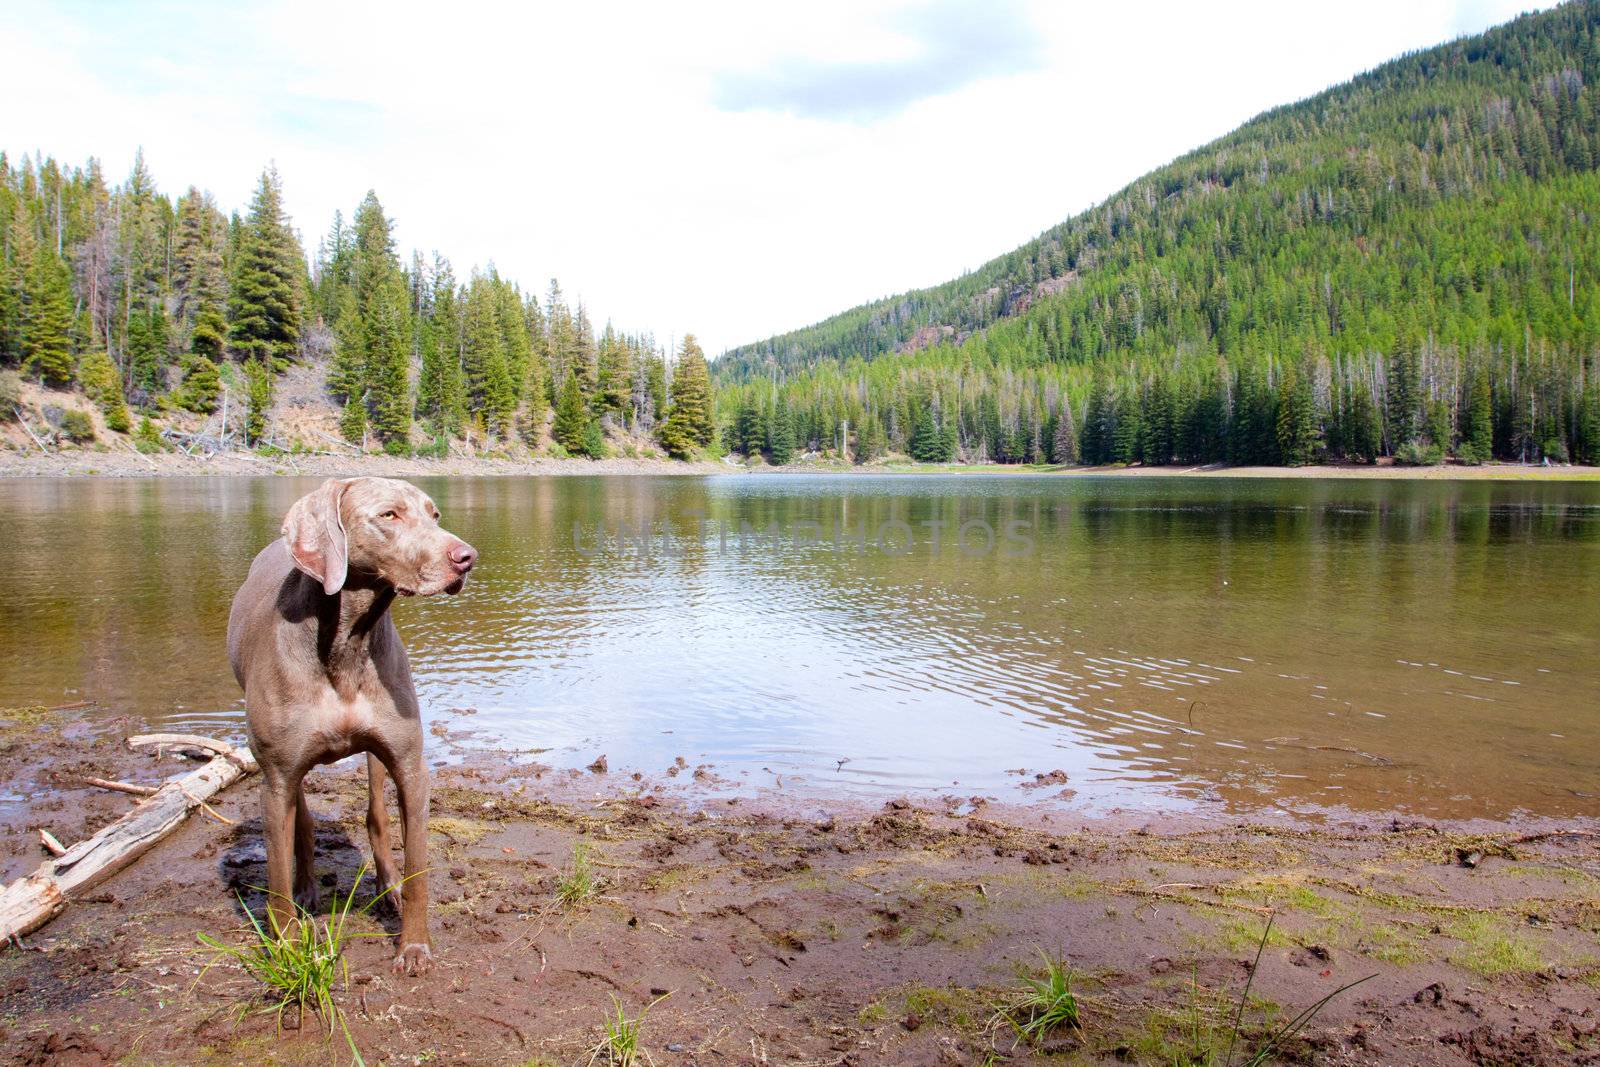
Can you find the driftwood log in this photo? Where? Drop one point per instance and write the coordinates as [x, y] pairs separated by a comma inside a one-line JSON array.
[[31, 901]]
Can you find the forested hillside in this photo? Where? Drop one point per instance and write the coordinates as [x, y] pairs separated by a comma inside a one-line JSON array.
[[1404, 265], [157, 309]]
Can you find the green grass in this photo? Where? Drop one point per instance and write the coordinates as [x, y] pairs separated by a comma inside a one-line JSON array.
[[1391, 945], [1489, 949], [577, 884], [619, 1044], [953, 1006], [1043, 1004], [1238, 936], [300, 966]]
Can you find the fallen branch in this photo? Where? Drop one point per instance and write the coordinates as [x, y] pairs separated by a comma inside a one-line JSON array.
[[141, 455], [189, 744], [341, 443], [23, 422], [120, 787], [51, 845], [31, 901]]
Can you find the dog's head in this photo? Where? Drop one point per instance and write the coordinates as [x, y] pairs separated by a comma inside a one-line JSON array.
[[378, 528]]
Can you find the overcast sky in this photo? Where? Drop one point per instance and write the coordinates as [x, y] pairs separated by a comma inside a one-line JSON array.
[[734, 168]]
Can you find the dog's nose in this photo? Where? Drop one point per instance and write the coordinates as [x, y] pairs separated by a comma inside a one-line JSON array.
[[463, 556]]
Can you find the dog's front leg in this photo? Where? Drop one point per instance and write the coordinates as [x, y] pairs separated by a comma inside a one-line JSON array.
[[277, 827], [411, 783]]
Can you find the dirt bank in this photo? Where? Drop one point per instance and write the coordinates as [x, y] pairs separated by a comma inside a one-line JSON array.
[[807, 936], [124, 463]]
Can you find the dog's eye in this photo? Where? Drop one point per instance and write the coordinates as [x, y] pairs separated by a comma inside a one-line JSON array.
[[390, 514]]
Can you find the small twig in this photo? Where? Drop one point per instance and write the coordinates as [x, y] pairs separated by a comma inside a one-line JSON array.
[[208, 809], [51, 845], [120, 787]]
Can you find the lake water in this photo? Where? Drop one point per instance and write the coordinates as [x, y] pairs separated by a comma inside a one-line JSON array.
[[1170, 644]]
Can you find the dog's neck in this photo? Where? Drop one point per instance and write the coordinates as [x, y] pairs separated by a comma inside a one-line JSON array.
[[346, 622]]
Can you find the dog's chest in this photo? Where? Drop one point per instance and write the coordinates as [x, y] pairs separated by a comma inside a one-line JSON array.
[[342, 725]]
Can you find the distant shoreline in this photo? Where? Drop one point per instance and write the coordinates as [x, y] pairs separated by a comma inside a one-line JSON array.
[[1452, 472], [81, 463]]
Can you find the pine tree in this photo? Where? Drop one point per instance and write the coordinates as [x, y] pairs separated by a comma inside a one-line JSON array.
[[1363, 439], [258, 400], [147, 438], [208, 334], [1158, 424], [147, 351], [47, 320], [653, 396], [264, 300], [1404, 401], [594, 440], [614, 387], [103, 384], [353, 419], [387, 336], [780, 435], [202, 385], [441, 391], [199, 282], [488, 378], [1480, 418], [572, 416], [688, 425], [928, 443], [1099, 424], [1125, 433], [1064, 441], [17, 254], [872, 442], [1297, 427], [347, 371]]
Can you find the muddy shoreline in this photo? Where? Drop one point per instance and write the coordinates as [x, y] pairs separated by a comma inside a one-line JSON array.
[[837, 936]]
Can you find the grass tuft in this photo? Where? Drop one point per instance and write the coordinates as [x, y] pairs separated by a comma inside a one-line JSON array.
[[300, 966], [619, 1045], [1044, 1004], [577, 884]]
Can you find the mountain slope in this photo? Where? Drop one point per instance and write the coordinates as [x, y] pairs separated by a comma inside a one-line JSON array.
[[1383, 246], [1462, 110]]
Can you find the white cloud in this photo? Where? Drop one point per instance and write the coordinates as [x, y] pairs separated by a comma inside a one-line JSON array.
[[687, 167]]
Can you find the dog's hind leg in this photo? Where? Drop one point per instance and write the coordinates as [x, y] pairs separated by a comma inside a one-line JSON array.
[[388, 872]]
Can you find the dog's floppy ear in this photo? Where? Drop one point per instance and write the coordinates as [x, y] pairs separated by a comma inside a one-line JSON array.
[[314, 533]]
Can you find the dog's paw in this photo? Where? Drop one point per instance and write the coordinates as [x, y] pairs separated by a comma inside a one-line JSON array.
[[308, 898], [413, 959]]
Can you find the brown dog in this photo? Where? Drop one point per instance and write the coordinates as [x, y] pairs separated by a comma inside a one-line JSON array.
[[325, 676]]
